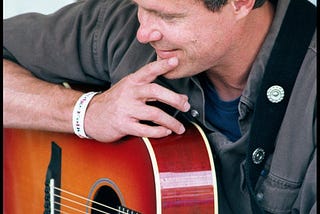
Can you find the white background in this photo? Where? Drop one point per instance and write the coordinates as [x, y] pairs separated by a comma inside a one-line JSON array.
[[15, 7]]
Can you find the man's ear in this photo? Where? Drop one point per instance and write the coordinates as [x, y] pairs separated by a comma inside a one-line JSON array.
[[242, 7]]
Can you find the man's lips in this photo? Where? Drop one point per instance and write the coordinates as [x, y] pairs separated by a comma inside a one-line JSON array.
[[166, 53]]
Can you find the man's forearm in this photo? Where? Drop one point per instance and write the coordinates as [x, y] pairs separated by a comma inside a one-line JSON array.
[[26, 103], [35, 104]]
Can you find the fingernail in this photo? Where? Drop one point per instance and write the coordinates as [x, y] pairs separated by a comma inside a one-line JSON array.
[[181, 130], [173, 61], [186, 106]]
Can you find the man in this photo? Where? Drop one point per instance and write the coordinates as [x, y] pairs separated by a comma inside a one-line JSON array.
[[166, 60]]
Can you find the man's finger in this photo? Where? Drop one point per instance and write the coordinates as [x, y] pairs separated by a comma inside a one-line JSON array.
[[161, 118], [155, 92], [151, 71], [143, 130]]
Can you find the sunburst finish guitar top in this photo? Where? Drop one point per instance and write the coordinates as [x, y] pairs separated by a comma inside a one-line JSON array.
[[46, 172]]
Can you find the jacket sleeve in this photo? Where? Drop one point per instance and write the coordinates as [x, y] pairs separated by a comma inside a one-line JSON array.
[[307, 198], [80, 43]]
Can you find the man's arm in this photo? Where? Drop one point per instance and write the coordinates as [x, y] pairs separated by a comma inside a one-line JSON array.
[[35, 104]]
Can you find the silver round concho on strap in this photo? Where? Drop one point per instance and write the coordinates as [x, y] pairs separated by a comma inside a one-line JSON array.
[[275, 94]]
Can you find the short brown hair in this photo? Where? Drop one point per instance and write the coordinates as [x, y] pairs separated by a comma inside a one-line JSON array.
[[215, 5]]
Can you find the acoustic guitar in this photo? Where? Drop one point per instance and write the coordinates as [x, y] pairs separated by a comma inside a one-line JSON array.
[[47, 172]]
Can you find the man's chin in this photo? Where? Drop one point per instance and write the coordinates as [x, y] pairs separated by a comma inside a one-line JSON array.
[[173, 74]]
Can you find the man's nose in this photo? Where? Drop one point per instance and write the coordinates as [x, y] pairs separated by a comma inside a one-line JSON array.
[[145, 35], [147, 31]]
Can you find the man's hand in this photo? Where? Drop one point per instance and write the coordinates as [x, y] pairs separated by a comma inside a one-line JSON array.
[[118, 111]]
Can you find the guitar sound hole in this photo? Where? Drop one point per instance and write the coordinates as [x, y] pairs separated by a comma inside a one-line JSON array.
[[107, 196]]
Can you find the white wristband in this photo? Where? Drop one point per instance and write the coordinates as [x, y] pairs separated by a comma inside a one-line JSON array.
[[79, 112]]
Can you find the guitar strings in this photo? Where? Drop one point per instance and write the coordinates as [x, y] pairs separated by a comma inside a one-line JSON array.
[[73, 208], [73, 201], [81, 204]]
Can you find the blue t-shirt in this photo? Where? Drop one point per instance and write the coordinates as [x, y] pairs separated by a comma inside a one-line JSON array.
[[223, 115]]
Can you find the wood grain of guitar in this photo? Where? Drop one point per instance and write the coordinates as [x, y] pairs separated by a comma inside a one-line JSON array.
[[174, 174]]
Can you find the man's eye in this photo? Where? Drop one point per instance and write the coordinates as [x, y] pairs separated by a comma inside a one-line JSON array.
[[166, 17]]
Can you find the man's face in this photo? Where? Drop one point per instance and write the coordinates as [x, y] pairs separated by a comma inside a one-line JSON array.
[[200, 38]]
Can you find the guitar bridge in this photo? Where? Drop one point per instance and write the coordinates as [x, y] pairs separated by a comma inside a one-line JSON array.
[[123, 209], [53, 179]]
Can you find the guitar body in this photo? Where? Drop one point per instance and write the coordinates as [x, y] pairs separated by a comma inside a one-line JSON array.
[[174, 174]]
